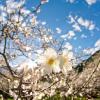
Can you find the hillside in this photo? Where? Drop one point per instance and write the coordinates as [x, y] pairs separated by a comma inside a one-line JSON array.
[[86, 77]]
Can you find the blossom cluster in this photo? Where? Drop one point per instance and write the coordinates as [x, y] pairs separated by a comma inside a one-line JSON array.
[[23, 36], [51, 61]]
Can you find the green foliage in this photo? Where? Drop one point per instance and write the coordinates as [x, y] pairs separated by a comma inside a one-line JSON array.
[[7, 99], [57, 96], [10, 99], [54, 97]]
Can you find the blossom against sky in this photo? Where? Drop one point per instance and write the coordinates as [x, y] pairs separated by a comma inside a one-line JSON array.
[[77, 20]]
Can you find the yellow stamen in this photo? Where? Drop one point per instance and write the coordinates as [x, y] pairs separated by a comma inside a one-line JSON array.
[[50, 61]]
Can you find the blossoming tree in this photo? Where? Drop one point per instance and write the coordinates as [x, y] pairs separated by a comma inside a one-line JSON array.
[[23, 37]]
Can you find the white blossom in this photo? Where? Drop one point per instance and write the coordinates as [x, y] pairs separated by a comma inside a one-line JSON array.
[[50, 61], [65, 61]]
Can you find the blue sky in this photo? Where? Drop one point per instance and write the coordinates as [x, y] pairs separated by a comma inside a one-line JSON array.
[[56, 14], [59, 14], [78, 21]]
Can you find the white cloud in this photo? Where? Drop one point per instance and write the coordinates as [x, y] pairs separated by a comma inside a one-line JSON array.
[[64, 36], [83, 36], [97, 44], [90, 2], [70, 34], [83, 22], [92, 26], [58, 30], [89, 51], [70, 1], [86, 23], [76, 27], [68, 46], [79, 47], [72, 20], [78, 22], [93, 50], [43, 23], [75, 38]]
